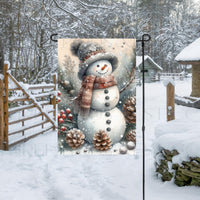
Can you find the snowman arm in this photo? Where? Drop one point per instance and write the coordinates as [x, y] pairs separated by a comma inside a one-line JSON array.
[[127, 85]]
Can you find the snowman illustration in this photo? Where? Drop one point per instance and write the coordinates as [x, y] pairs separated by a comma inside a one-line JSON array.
[[99, 94]]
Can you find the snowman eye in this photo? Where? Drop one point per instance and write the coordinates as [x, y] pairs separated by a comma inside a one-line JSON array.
[[97, 65]]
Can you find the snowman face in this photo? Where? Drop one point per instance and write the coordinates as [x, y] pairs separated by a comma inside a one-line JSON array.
[[100, 68]]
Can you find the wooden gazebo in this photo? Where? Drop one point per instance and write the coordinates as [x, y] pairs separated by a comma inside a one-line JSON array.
[[190, 55]]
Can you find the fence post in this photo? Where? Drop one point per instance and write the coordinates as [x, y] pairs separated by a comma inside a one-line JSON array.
[[170, 102], [6, 147], [54, 99], [42, 107], [1, 115]]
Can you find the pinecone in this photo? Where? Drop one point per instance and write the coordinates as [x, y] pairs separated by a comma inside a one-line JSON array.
[[129, 110], [131, 136], [102, 141], [75, 138]]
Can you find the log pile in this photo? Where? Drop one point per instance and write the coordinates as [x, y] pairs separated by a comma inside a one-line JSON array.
[[185, 174]]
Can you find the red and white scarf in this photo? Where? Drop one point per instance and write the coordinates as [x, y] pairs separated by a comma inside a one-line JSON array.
[[83, 100]]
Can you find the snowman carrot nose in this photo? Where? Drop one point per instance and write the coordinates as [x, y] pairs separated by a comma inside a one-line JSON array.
[[103, 67]]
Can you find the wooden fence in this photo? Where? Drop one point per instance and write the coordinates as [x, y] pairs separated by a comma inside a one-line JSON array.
[[38, 100], [174, 76]]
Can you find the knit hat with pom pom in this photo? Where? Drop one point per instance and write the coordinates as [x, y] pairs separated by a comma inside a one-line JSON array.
[[90, 52]]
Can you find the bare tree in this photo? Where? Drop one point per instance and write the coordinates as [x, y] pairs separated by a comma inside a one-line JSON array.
[[1, 57]]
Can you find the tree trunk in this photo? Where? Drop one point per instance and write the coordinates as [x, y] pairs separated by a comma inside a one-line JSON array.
[[1, 57], [11, 41], [195, 80], [40, 60], [18, 43]]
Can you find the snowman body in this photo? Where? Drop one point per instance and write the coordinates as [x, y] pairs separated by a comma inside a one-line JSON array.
[[103, 115]]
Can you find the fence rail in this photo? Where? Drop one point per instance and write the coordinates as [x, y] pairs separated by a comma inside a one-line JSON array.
[[34, 96], [174, 76]]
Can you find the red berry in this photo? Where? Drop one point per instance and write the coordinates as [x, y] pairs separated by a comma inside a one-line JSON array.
[[70, 116], [63, 128], [60, 120], [58, 116], [64, 116], [68, 110], [59, 93], [62, 112], [59, 99]]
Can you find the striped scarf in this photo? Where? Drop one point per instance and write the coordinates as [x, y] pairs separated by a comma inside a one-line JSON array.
[[83, 100]]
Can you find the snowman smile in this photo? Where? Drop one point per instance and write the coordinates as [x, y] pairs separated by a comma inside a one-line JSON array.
[[99, 68], [102, 73]]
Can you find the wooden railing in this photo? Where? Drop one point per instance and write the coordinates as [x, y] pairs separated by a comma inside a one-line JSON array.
[[34, 97], [174, 76]]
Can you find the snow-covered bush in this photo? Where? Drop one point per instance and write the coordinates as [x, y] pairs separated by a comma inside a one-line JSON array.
[[177, 152]]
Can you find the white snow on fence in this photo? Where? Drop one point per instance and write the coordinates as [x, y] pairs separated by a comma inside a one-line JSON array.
[[167, 81], [27, 120], [33, 99], [6, 62], [190, 53]]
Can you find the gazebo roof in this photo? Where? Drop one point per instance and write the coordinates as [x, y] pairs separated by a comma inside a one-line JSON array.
[[190, 54], [146, 57]]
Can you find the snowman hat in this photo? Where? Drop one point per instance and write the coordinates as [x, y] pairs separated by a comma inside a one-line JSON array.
[[90, 52]]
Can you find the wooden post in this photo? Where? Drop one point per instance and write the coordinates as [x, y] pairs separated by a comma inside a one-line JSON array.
[[23, 121], [195, 80], [1, 116], [170, 102], [54, 100], [6, 114]]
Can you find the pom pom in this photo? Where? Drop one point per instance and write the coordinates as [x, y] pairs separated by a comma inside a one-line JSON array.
[[75, 47]]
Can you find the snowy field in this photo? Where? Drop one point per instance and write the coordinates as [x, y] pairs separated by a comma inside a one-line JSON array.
[[34, 170]]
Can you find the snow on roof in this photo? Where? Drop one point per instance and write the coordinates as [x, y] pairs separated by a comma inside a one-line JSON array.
[[190, 53], [146, 57]]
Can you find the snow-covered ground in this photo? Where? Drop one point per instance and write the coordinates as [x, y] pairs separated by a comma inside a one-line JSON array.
[[34, 170]]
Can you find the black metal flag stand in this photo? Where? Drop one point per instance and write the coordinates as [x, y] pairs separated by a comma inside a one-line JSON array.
[[145, 38]]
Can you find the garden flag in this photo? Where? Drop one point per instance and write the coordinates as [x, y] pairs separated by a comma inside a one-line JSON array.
[[96, 95]]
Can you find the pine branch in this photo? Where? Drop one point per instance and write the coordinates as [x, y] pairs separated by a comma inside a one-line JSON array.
[[132, 78], [128, 84], [70, 121]]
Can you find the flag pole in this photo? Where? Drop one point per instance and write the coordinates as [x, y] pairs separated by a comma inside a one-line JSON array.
[[145, 38]]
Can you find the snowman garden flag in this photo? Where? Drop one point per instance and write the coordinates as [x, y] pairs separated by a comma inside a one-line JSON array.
[[96, 97]]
